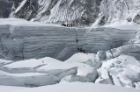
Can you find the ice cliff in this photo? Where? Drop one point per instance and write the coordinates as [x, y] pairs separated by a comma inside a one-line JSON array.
[[20, 39]]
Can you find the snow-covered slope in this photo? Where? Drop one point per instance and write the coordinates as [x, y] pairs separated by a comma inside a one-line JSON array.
[[116, 10], [74, 87], [71, 12]]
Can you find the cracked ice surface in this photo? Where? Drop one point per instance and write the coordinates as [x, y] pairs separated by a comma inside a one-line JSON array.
[[46, 71], [121, 71]]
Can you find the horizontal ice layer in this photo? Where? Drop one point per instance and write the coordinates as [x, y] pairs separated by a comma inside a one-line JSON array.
[[22, 66], [20, 39], [4, 62], [46, 71], [48, 65], [27, 79]]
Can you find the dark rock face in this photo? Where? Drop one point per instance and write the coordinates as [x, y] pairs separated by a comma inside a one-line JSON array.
[[72, 12], [5, 7], [27, 9], [137, 19]]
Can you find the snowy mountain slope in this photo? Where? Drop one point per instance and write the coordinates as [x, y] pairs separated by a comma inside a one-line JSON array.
[[72, 12], [116, 10], [81, 12]]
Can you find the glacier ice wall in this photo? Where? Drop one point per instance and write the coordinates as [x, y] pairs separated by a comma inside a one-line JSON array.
[[22, 41]]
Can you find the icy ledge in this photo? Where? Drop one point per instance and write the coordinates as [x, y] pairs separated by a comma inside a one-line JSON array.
[[20, 39]]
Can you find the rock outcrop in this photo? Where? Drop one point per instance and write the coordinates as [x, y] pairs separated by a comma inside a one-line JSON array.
[[71, 12]]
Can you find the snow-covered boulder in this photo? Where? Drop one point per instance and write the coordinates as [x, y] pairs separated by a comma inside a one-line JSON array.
[[101, 55]]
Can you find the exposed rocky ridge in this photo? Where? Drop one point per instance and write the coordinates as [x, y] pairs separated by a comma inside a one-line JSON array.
[[5, 8], [73, 12]]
